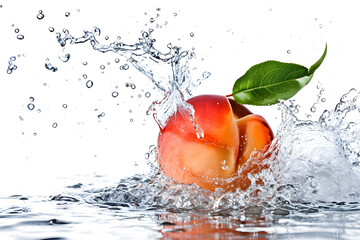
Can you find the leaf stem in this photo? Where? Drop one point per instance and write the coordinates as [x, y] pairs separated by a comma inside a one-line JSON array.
[[229, 95]]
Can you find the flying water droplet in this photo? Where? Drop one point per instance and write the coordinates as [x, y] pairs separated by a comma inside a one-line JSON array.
[[65, 57], [31, 99], [64, 105], [85, 63], [191, 34], [124, 67], [206, 75], [102, 67], [40, 15], [31, 106], [50, 67], [67, 14], [16, 30], [20, 37], [51, 29], [54, 125], [115, 94], [147, 94], [89, 83], [288, 51]]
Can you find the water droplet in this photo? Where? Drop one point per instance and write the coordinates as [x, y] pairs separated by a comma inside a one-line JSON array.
[[89, 83], [102, 67], [127, 84], [206, 75], [34, 134], [85, 63], [40, 15], [313, 109], [124, 67], [147, 94], [223, 165], [147, 156], [191, 34], [106, 37], [13, 58], [158, 9], [20, 37], [67, 14], [64, 105], [320, 25], [65, 58], [270, 9], [39, 110], [323, 100], [16, 30], [131, 120], [96, 31], [199, 132], [31, 106], [21, 118], [50, 67], [51, 29], [117, 60], [133, 86], [175, 14], [139, 96], [115, 94], [288, 51], [31, 99], [84, 76], [78, 10], [101, 115], [130, 111], [54, 125]]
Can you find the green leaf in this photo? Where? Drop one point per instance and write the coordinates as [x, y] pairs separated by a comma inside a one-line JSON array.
[[268, 82]]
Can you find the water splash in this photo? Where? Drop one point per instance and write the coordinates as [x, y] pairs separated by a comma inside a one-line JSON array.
[[314, 162], [168, 71]]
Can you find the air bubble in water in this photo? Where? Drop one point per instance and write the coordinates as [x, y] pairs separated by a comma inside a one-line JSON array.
[[51, 29], [50, 67], [65, 58], [54, 125], [20, 37], [115, 94], [31, 106], [89, 83], [40, 15]]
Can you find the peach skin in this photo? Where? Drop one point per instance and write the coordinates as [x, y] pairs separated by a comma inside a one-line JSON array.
[[231, 133]]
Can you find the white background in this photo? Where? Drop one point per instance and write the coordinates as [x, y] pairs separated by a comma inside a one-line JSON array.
[[229, 37]]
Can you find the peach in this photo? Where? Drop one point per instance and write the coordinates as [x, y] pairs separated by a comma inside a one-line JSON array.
[[231, 133]]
